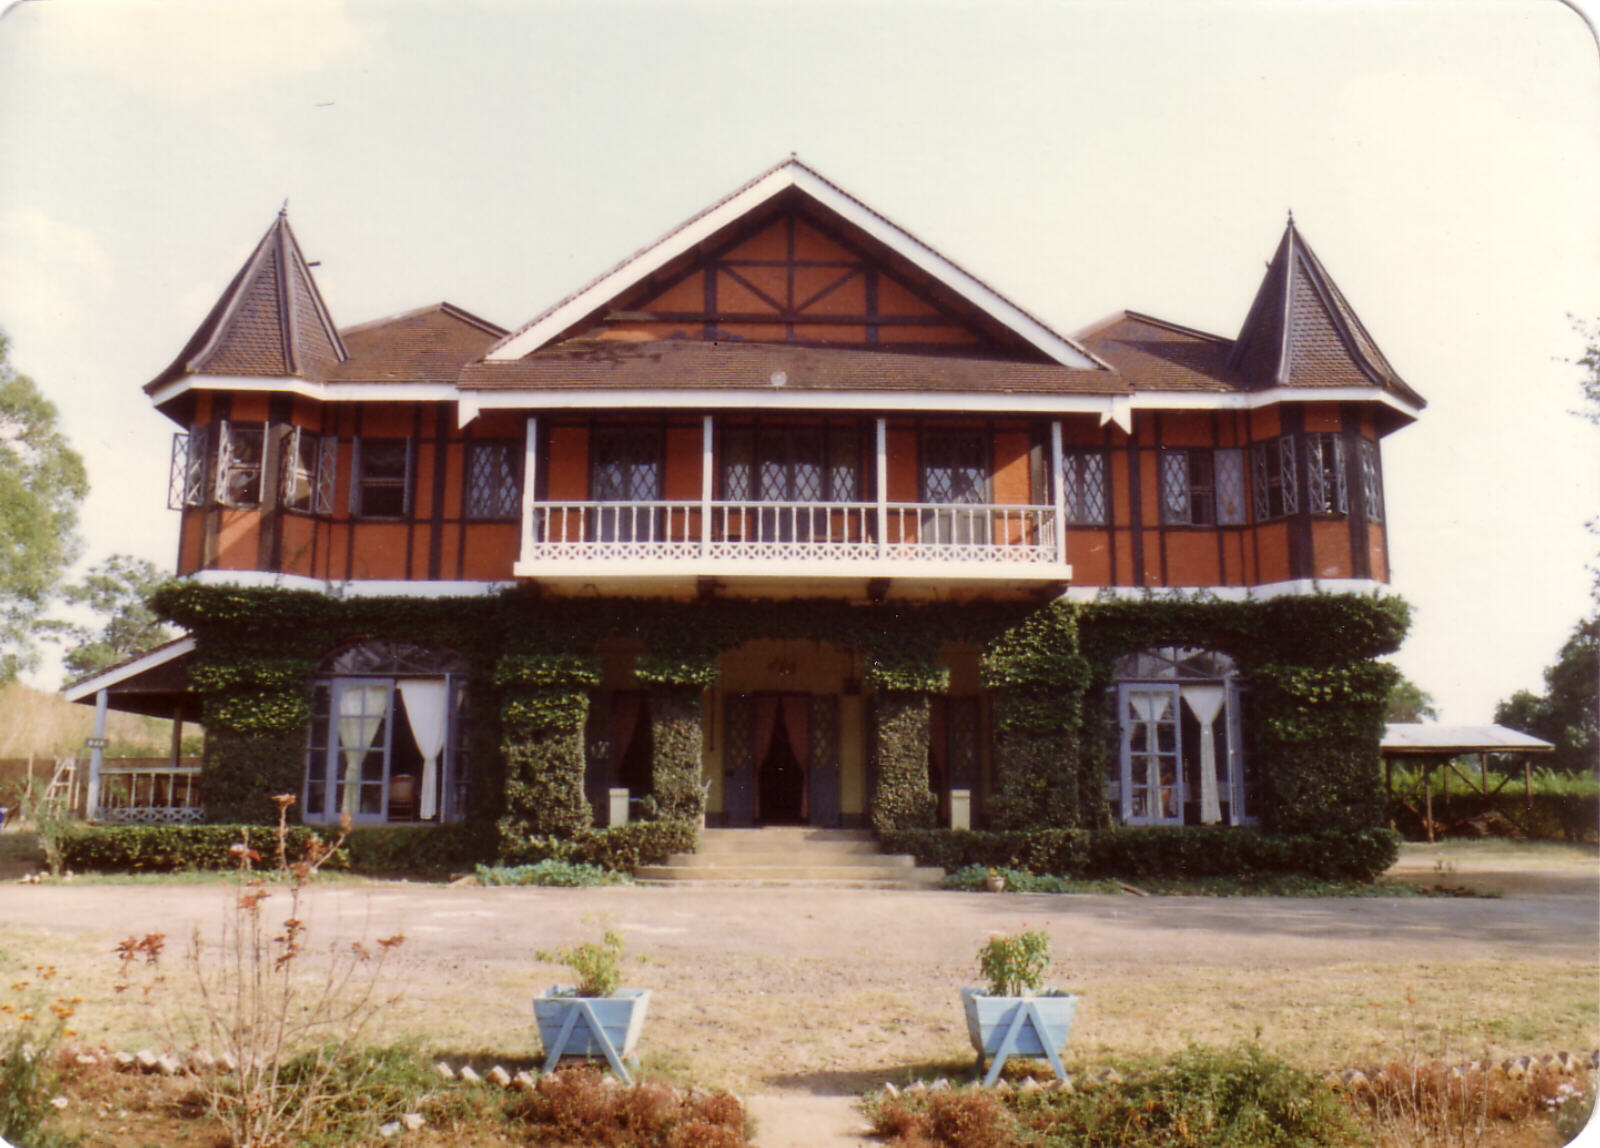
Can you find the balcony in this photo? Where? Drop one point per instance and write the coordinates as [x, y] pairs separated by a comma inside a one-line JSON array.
[[608, 542]]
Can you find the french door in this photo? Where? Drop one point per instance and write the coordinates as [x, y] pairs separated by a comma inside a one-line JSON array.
[[1152, 754]]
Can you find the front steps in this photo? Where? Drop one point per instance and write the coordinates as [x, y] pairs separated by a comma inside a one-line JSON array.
[[791, 855]]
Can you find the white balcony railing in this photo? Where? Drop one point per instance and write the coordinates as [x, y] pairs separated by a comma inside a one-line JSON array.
[[791, 537], [148, 791]]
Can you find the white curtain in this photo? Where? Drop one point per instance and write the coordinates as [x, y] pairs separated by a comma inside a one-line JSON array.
[[360, 714], [426, 700], [1205, 702]]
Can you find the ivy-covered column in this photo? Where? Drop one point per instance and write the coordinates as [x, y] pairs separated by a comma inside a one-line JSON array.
[[902, 798], [544, 700], [677, 685], [255, 713], [1038, 679], [1317, 738]]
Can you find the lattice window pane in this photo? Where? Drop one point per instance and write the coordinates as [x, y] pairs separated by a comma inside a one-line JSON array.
[[1229, 475], [239, 455], [844, 464], [1316, 485], [1371, 481], [954, 469], [186, 481], [1288, 482], [1261, 484], [1175, 502], [1326, 486], [806, 476], [493, 480], [327, 473], [736, 465], [1083, 481]]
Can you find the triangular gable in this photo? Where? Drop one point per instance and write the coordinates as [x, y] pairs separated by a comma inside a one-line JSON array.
[[271, 321], [1302, 332], [789, 257]]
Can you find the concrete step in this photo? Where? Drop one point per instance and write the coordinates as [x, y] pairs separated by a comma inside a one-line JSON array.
[[792, 875], [746, 846], [808, 856]]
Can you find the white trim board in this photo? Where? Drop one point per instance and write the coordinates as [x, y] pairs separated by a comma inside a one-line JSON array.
[[792, 173], [86, 687]]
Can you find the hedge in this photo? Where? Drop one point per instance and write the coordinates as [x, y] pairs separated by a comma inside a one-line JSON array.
[[175, 848], [1136, 851], [1553, 816], [621, 847]]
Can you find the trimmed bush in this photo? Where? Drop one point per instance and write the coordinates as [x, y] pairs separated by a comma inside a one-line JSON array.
[[902, 799], [175, 848], [561, 874], [424, 850], [621, 848], [1058, 852]]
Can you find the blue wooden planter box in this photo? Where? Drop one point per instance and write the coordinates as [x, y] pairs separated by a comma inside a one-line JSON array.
[[997, 1030], [621, 1018]]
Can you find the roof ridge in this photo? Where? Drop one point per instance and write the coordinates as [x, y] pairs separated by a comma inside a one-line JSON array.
[[488, 327]]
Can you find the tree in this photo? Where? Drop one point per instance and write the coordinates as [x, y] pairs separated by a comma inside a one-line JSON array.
[[1565, 714], [119, 590], [1409, 702], [42, 481]]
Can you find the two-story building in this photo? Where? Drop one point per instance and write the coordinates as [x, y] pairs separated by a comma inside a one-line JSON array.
[[788, 399]]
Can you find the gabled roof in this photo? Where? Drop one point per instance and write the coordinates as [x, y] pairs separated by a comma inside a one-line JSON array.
[[1302, 332], [1154, 355], [271, 321], [570, 313], [672, 364], [429, 345]]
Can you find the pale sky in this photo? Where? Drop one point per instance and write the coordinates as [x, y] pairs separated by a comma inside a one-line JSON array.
[[1441, 157]]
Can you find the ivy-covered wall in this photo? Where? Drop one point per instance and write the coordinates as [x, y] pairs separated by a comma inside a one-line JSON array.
[[1314, 710]]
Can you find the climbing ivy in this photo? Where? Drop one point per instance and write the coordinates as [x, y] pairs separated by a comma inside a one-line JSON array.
[[902, 798], [675, 770]]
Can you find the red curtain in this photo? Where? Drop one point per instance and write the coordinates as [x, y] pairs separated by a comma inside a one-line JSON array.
[[796, 719], [766, 724]]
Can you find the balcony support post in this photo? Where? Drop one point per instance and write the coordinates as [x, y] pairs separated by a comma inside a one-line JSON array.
[[530, 474], [883, 488], [707, 439], [1057, 485]]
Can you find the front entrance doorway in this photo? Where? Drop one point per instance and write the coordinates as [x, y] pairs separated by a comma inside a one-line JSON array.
[[783, 753]]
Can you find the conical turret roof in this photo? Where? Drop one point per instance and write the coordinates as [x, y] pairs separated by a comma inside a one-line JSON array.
[[271, 321], [1302, 332]]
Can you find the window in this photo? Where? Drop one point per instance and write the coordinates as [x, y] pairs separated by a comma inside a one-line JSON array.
[[1181, 760], [186, 481], [1273, 478], [1187, 488], [791, 464], [494, 479], [955, 475], [240, 449], [1229, 467], [627, 471], [380, 485], [1371, 480], [388, 736], [1326, 485], [309, 464], [1083, 487]]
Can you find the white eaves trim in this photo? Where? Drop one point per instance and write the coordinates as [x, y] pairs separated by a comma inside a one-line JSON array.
[[310, 389], [267, 580], [88, 687], [791, 174], [1109, 408], [1299, 587]]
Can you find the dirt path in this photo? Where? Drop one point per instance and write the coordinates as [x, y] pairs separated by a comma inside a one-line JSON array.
[[801, 999]]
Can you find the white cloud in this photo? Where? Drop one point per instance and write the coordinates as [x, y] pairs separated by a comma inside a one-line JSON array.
[[196, 50], [52, 274]]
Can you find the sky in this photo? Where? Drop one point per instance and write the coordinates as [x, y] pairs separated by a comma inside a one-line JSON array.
[[1440, 156]]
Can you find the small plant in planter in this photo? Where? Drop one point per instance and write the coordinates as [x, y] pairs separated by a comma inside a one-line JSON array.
[[595, 1017], [1014, 1014], [994, 881]]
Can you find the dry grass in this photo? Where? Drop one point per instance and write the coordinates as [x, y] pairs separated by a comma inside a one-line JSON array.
[[47, 725]]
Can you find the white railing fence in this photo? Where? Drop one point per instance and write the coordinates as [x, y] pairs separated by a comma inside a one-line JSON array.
[[777, 531], [145, 791]]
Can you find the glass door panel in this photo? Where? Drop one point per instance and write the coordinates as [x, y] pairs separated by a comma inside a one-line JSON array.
[[1151, 789]]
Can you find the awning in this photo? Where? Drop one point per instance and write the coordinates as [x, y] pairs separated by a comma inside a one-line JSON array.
[[155, 684]]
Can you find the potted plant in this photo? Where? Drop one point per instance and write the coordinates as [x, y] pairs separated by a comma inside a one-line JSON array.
[[1014, 1015], [595, 1017], [995, 881]]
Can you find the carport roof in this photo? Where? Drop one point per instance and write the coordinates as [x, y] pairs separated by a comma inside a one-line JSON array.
[[1427, 739]]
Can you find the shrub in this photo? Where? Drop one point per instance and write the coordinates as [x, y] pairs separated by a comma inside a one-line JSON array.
[[1060, 852], [970, 879], [583, 1107], [568, 874], [595, 962], [621, 848], [28, 1078], [174, 848], [1014, 965], [420, 850], [1221, 851]]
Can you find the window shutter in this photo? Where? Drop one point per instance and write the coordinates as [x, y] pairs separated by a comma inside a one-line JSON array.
[[178, 473], [1288, 480], [288, 467], [327, 473], [355, 477], [1230, 493], [224, 460]]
